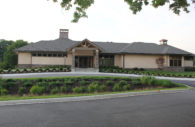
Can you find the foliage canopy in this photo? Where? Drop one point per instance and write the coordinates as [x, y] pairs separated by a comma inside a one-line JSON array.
[[3, 47], [134, 5], [10, 57]]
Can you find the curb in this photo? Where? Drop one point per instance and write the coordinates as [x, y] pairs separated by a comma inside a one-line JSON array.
[[86, 98]]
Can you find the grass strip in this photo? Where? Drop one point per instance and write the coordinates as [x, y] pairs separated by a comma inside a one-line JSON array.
[[10, 97]]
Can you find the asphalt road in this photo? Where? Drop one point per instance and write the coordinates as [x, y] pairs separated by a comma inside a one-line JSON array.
[[160, 110]]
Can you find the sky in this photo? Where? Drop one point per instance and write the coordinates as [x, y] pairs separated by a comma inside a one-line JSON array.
[[108, 21]]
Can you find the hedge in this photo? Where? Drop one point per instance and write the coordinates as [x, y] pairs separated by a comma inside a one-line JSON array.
[[51, 68], [83, 84], [140, 71]]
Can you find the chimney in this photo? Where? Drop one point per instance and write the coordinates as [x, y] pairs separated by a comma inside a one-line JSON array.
[[64, 33], [163, 42]]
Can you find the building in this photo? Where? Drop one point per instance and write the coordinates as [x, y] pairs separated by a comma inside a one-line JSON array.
[[90, 54]]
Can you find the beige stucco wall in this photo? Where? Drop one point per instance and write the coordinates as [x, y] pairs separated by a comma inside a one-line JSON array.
[[48, 60], [141, 61], [188, 63], [166, 62], [118, 60], [69, 59], [24, 58]]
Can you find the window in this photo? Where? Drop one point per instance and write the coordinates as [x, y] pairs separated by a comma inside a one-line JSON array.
[[106, 60], [39, 54], [50, 55], [60, 55], [175, 61], [34, 54], [188, 58]]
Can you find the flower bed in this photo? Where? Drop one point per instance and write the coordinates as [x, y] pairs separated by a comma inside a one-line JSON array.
[[141, 71], [56, 68], [83, 84]]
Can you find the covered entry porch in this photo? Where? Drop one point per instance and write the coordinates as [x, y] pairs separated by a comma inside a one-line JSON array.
[[85, 56]]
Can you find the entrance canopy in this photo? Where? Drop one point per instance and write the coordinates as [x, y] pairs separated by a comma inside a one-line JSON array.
[[85, 55]]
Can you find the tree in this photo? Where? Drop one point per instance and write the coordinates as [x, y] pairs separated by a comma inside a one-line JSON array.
[[134, 5], [3, 47], [10, 57]]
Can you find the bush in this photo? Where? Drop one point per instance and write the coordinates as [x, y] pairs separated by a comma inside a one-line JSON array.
[[63, 89], [78, 89], [37, 90], [54, 91], [32, 70], [147, 80], [27, 83], [68, 82], [17, 70], [110, 83], [40, 69], [151, 81], [123, 82], [136, 82], [189, 69], [44, 85], [3, 91], [9, 84], [9, 70], [158, 82], [127, 87], [93, 87], [116, 87], [21, 90], [167, 84], [103, 88], [1, 70], [83, 82], [54, 84], [24, 70], [144, 80]]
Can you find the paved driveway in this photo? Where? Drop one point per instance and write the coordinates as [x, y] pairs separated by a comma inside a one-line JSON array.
[[187, 81], [160, 110]]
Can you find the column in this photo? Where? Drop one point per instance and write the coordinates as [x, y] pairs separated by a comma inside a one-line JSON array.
[[73, 59], [97, 59], [182, 61]]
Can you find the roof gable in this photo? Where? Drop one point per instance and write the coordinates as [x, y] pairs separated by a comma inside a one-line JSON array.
[[85, 44]]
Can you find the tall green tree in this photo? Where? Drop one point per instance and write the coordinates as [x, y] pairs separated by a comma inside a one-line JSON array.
[[10, 57], [134, 5], [3, 47]]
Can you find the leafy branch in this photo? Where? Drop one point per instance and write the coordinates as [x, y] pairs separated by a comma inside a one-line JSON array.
[[134, 5]]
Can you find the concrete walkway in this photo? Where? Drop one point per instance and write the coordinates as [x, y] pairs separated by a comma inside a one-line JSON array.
[[62, 74]]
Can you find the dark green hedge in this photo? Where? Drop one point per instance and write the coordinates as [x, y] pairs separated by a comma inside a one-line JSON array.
[[51, 68], [140, 71], [190, 69], [79, 85]]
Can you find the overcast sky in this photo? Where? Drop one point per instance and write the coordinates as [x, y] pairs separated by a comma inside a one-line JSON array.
[[108, 20]]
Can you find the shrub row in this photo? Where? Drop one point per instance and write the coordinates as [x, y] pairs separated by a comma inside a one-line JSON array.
[[39, 86], [147, 72], [189, 69], [54, 68]]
